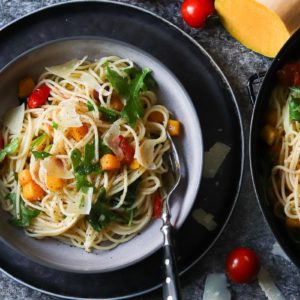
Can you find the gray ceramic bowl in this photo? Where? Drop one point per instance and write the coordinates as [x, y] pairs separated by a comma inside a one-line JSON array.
[[171, 93]]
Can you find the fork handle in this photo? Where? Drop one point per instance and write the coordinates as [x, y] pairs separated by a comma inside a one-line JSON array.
[[171, 285]]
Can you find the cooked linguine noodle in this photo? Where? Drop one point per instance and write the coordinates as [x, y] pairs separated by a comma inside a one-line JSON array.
[[282, 133], [63, 144]]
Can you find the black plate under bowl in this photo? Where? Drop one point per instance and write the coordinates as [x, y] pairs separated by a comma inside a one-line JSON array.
[[217, 110], [260, 163]]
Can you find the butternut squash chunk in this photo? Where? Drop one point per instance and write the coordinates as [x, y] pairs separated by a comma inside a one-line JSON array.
[[261, 25]]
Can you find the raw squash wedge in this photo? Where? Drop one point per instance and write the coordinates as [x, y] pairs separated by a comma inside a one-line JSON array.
[[261, 25]]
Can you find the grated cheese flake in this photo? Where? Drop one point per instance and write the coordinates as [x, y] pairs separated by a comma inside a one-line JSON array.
[[214, 158], [267, 285], [205, 219], [216, 287]]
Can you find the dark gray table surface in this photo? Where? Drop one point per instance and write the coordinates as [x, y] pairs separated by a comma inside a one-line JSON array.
[[246, 226]]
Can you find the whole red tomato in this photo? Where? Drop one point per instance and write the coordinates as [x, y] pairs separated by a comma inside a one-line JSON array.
[[195, 12], [242, 265]]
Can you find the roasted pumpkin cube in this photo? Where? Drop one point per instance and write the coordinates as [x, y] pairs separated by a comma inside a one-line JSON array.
[[174, 127], [32, 191]]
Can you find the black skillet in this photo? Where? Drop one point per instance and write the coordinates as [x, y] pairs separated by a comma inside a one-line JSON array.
[[260, 168], [220, 122]]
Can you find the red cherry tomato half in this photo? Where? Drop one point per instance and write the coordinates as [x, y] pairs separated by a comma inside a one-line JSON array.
[[157, 202], [289, 74], [195, 12], [127, 149], [242, 265], [39, 96]]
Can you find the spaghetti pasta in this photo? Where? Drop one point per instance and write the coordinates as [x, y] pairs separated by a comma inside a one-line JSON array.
[[282, 134], [54, 179]]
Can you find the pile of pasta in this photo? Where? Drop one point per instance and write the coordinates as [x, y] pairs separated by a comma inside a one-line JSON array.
[[83, 157]]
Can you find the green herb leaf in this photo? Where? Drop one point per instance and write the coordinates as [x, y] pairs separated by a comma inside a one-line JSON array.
[[75, 158], [16, 176], [82, 202], [103, 149], [130, 195], [90, 106], [82, 183], [100, 216], [89, 153], [85, 166], [40, 154], [119, 83], [9, 149], [54, 125], [48, 148], [39, 140], [84, 169], [295, 91], [110, 115], [149, 81], [134, 108], [26, 213], [294, 109], [130, 90]]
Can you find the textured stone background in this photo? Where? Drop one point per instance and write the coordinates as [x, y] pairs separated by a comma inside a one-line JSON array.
[[246, 226]]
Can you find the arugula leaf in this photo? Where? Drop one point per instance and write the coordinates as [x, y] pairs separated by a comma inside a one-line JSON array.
[[134, 108], [48, 148], [149, 81], [295, 91], [16, 176], [40, 154], [89, 153], [100, 215], [39, 140], [130, 90], [75, 158], [82, 202], [86, 169], [26, 213], [103, 149], [9, 149], [294, 109], [110, 115], [54, 125], [90, 106], [85, 166], [130, 195], [82, 183], [119, 83]]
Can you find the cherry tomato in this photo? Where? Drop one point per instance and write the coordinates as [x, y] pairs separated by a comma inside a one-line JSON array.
[[127, 149], [157, 202], [242, 265], [195, 12], [289, 74], [39, 96]]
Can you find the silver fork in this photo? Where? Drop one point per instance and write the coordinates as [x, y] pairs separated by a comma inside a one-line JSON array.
[[171, 285]]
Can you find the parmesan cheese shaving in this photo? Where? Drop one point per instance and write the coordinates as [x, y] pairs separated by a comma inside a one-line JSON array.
[[65, 70], [89, 81], [56, 167], [216, 287], [268, 286], [214, 158], [111, 139], [13, 119], [81, 203], [205, 219], [277, 250], [68, 117], [146, 156]]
